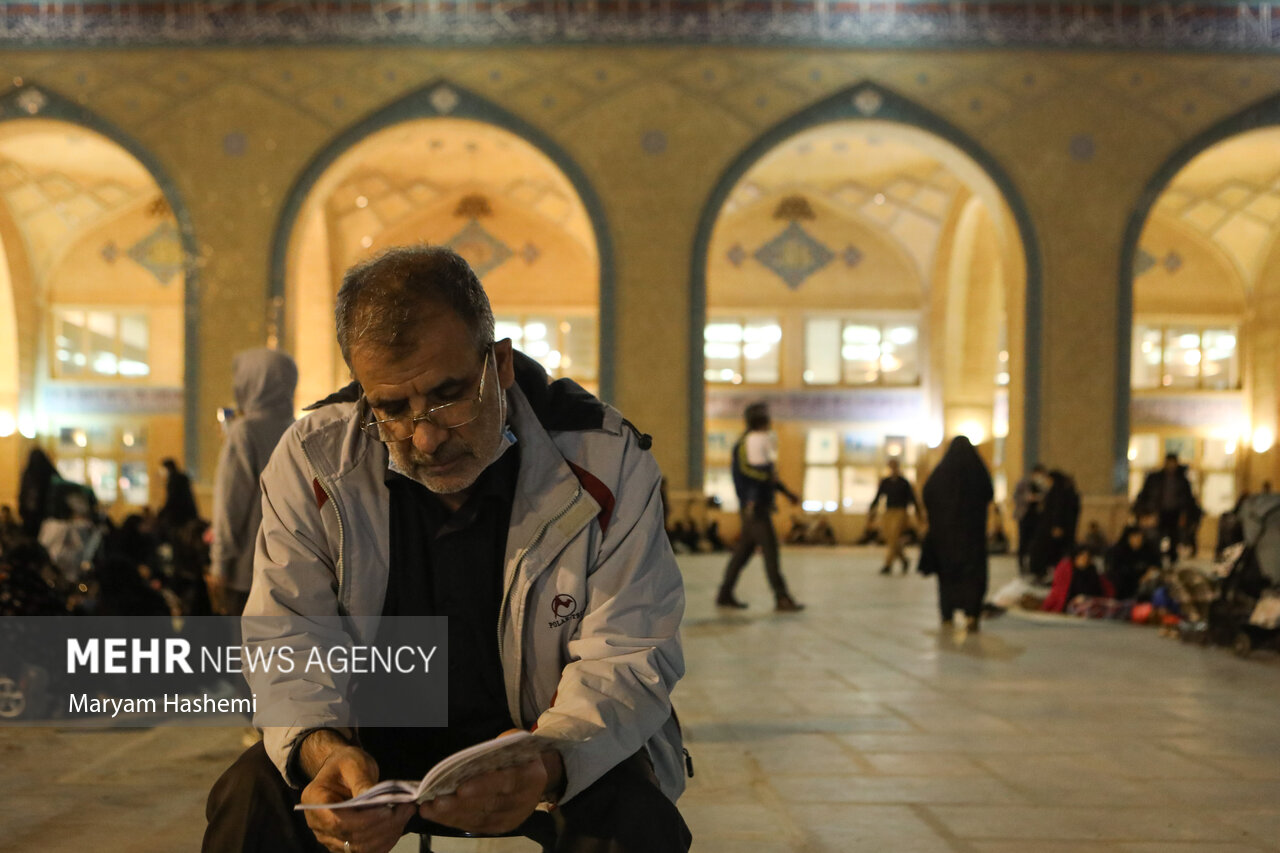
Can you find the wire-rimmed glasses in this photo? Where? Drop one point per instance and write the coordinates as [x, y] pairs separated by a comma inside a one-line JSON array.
[[446, 415]]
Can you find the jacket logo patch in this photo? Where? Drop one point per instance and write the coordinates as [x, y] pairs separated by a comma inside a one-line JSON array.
[[564, 608]]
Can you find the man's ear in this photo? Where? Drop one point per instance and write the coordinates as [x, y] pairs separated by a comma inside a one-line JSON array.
[[504, 363]]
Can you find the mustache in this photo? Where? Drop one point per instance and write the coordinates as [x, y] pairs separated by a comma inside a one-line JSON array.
[[444, 454]]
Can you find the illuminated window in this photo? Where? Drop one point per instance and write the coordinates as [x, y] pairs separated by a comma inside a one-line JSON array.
[[1185, 357], [565, 345], [738, 350], [843, 471], [861, 352], [110, 458], [91, 344], [1211, 465]]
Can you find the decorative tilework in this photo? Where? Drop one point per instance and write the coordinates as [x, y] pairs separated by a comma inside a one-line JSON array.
[[482, 250], [654, 142], [444, 100], [32, 101], [1143, 262], [473, 206], [794, 207], [1081, 147], [794, 255], [160, 252], [868, 101], [235, 143], [1196, 24]]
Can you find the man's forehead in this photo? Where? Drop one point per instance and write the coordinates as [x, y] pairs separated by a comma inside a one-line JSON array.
[[386, 376]]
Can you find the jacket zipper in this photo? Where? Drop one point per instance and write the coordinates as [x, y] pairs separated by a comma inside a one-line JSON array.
[[502, 611], [342, 548]]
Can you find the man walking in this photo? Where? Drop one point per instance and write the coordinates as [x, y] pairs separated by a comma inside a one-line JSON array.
[[755, 479], [898, 495]]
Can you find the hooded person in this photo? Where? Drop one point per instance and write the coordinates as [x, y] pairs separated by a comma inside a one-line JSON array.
[[956, 497], [264, 382]]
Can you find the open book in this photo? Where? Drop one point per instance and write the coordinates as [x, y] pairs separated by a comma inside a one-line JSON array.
[[506, 750]]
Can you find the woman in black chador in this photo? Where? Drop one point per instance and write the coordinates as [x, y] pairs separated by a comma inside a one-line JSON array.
[[956, 497], [1055, 535]]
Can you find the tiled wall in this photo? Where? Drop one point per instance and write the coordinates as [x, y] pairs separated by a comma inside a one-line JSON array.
[[652, 129]]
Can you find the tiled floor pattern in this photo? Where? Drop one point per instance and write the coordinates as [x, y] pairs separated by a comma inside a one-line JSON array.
[[854, 726]]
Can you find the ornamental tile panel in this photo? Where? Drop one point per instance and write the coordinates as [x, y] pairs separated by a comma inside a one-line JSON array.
[[1197, 24], [182, 77], [709, 75], [160, 253], [482, 251], [598, 74], [794, 255]]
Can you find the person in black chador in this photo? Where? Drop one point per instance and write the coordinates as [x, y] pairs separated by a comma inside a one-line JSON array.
[[956, 496], [756, 481], [1055, 534], [179, 501], [1027, 497], [1129, 560], [1167, 494], [33, 493]]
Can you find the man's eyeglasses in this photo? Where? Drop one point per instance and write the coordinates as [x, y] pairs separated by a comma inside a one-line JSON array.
[[446, 416]]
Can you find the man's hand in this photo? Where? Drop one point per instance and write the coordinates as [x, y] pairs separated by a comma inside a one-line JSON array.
[[499, 801], [345, 771]]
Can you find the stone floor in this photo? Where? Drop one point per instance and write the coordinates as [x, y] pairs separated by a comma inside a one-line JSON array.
[[854, 726]]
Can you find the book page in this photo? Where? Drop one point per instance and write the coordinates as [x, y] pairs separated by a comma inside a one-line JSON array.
[[506, 750], [388, 791]]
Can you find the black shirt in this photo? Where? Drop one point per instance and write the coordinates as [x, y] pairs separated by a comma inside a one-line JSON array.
[[897, 493], [446, 563]]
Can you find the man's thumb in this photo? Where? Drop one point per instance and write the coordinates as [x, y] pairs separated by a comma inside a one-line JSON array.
[[358, 772]]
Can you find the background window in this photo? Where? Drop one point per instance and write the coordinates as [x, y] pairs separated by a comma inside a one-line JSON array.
[[1185, 357], [861, 352], [822, 351], [100, 343], [565, 345], [821, 488], [739, 350], [718, 483]]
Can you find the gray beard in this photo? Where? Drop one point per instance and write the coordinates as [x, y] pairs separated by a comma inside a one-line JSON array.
[[506, 440]]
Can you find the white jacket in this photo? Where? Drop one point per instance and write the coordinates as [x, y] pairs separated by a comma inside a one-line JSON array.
[[599, 684]]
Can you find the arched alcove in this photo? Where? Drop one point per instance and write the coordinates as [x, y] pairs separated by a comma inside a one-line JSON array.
[[444, 166], [97, 246], [868, 215], [1198, 321]]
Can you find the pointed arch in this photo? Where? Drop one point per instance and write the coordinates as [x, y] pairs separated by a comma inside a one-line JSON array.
[[1263, 114], [863, 101], [33, 100], [444, 99]]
